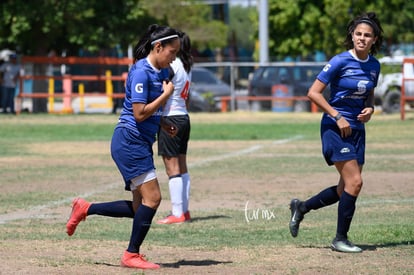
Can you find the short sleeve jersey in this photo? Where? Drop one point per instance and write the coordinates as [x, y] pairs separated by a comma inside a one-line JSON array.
[[351, 81], [143, 85], [10, 71], [176, 104]]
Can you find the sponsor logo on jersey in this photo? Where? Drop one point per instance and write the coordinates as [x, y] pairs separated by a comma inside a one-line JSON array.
[[139, 88], [345, 150], [362, 86]]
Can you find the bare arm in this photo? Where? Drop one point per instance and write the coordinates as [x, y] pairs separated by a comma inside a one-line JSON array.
[[143, 111], [315, 94], [367, 112]]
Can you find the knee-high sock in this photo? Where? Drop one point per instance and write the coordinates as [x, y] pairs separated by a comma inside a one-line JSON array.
[[116, 209], [176, 190], [326, 197], [140, 227], [346, 210], [186, 191]]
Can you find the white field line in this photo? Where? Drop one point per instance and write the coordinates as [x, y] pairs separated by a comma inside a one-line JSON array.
[[39, 211]]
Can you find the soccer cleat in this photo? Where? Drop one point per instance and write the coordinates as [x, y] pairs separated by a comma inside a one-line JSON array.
[[172, 219], [345, 246], [79, 212], [187, 216], [296, 217], [136, 260]]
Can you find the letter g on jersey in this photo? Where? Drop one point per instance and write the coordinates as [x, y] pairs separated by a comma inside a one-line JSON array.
[[139, 88]]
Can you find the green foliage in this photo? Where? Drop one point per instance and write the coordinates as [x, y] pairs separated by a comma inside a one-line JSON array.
[[95, 25], [301, 27], [193, 17], [242, 26]]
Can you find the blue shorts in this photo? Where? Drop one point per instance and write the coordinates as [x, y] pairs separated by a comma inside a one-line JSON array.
[[335, 148], [132, 154]]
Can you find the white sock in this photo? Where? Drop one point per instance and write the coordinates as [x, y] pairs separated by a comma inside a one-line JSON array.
[[176, 190], [186, 191]]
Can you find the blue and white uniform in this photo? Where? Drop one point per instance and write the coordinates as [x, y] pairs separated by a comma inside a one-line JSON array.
[[131, 146], [351, 82]]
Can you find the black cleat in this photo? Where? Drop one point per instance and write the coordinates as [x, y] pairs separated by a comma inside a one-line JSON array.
[[296, 217]]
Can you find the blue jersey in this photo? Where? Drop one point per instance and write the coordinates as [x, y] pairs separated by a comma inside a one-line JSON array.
[[143, 85], [351, 81]]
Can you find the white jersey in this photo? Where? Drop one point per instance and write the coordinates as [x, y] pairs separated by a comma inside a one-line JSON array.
[[182, 80]]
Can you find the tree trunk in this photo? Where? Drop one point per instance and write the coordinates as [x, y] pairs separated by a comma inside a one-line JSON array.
[[39, 86]]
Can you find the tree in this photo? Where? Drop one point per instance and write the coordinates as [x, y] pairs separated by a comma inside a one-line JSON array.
[[192, 17], [37, 26], [242, 27], [301, 27]]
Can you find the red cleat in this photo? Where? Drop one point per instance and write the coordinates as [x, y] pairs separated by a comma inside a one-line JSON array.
[[187, 216], [136, 260], [172, 219], [79, 212]]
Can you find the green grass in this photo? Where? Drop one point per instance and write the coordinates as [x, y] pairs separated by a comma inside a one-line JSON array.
[[381, 221]]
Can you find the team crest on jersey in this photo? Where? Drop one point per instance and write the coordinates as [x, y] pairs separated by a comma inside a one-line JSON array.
[[139, 88], [326, 68]]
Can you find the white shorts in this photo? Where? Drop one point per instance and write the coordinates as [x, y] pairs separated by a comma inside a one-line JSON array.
[[137, 181]]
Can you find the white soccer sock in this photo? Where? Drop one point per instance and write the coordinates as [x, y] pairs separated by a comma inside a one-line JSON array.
[[176, 189], [186, 191]]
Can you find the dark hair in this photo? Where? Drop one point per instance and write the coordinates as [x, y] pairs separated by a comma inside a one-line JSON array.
[[185, 51], [371, 19], [153, 33]]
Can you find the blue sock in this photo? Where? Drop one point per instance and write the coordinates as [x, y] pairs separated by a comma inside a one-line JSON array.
[[140, 227], [116, 209], [346, 210], [324, 198]]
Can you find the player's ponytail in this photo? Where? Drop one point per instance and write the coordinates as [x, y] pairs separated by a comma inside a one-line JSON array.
[[154, 34], [185, 52]]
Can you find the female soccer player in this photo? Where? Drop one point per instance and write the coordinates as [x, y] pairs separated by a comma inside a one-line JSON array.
[[352, 76], [174, 149], [146, 91]]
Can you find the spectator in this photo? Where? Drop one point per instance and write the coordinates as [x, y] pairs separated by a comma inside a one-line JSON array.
[[10, 70]]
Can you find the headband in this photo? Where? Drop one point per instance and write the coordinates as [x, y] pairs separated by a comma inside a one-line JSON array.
[[164, 38], [369, 22]]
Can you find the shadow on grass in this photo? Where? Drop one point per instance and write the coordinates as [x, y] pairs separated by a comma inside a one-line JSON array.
[[368, 247], [194, 263], [214, 217], [385, 245], [180, 263]]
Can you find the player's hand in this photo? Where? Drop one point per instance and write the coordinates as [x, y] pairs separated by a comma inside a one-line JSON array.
[[168, 87], [344, 127], [365, 114]]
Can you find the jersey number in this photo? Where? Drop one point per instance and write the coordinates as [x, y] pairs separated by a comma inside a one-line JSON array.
[[184, 92]]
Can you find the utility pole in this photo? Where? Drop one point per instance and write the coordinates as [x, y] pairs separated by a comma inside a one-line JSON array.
[[263, 31]]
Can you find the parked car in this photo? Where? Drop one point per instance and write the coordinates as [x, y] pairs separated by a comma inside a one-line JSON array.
[[388, 90], [296, 77], [206, 90]]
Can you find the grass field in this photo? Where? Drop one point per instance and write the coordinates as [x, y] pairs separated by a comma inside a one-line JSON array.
[[245, 168]]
